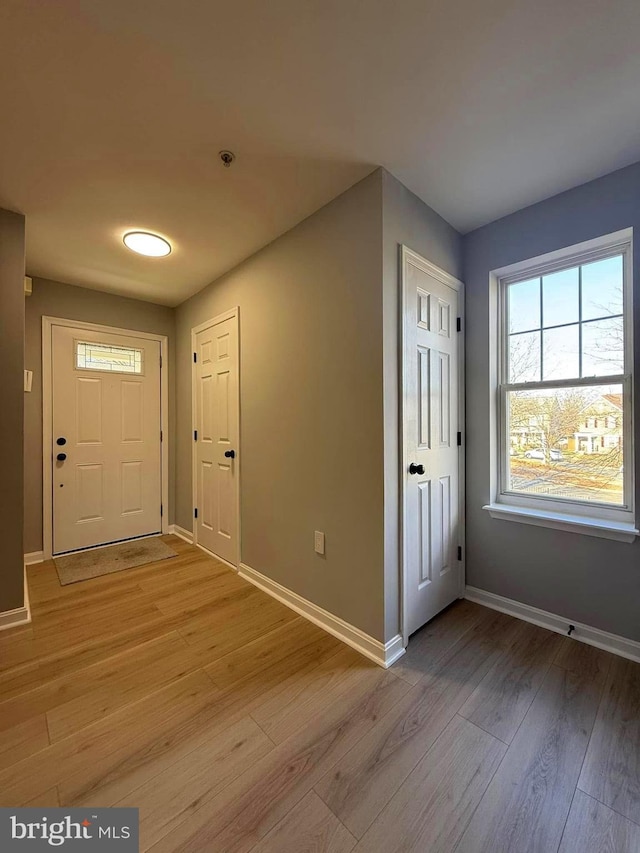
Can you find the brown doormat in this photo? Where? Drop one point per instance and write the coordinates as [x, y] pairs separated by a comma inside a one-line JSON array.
[[114, 558]]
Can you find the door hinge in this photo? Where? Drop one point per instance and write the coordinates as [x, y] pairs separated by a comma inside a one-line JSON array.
[[195, 512], [458, 324], [195, 357], [460, 552], [161, 437], [195, 435], [161, 510], [459, 439]]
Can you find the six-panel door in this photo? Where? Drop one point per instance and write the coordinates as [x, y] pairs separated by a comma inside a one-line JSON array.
[[431, 424], [217, 434]]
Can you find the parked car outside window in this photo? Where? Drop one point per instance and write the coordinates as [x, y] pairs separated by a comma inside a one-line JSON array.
[[538, 453]]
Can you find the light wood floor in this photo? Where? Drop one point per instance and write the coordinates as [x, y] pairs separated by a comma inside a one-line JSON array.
[[234, 725]]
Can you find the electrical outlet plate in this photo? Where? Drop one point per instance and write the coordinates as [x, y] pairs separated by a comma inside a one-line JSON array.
[[318, 542]]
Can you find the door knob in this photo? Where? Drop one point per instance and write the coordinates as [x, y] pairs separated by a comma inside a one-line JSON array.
[[416, 469], [61, 441], [61, 457], [230, 454]]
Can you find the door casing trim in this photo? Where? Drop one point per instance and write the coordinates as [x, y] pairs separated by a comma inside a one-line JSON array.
[[405, 255], [47, 412], [201, 327]]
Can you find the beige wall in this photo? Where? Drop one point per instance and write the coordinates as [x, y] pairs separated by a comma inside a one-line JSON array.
[[11, 422], [311, 397], [54, 299], [406, 221], [319, 394]]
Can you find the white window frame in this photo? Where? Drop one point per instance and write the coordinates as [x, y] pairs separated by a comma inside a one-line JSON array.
[[595, 519]]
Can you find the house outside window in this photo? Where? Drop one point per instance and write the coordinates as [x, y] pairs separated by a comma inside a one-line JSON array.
[[564, 383]]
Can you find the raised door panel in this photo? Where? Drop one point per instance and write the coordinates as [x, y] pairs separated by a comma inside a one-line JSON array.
[[222, 407], [90, 492], [425, 510], [206, 352], [225, 504], [444, 318], [443, 385], [208, 486], [207, 411], [88, 410], [223, 344], [424, 309], [444, 510], [132, 488], [424, 398], [132, 411]]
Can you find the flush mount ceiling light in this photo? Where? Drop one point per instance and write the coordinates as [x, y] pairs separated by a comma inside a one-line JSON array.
[[146, 243]]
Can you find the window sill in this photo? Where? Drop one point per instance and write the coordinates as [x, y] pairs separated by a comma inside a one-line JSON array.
[[561, 521]]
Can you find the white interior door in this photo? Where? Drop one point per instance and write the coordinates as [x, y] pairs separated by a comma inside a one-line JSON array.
[[106, 449], [431, 506], [216, 437]]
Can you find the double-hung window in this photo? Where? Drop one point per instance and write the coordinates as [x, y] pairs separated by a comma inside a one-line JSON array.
[[564, 390]]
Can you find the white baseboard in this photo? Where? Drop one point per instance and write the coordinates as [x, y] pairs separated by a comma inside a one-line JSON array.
[[187, 535], [215, 556], [393, 650], [33, 558], [384, 654], [20, 615], [584, 633]]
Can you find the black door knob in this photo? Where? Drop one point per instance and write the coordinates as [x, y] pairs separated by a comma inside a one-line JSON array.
[[61, 457], [61, 441], [230, 454], [416, 469]]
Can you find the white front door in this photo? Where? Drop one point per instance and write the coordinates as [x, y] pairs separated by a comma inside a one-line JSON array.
[[432, 569], [216, 437], [106, 450]]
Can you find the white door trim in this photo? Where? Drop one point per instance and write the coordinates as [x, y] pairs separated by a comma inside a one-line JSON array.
[[406, 255], [47, 412], [201, 327]]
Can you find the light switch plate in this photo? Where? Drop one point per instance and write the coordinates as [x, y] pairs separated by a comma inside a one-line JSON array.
[[318, 542], [28, 380]]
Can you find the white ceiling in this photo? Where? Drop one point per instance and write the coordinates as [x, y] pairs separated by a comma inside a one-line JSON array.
[[113, 113]]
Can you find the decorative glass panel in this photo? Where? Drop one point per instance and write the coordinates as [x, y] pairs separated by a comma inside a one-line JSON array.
[[104, 357]]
